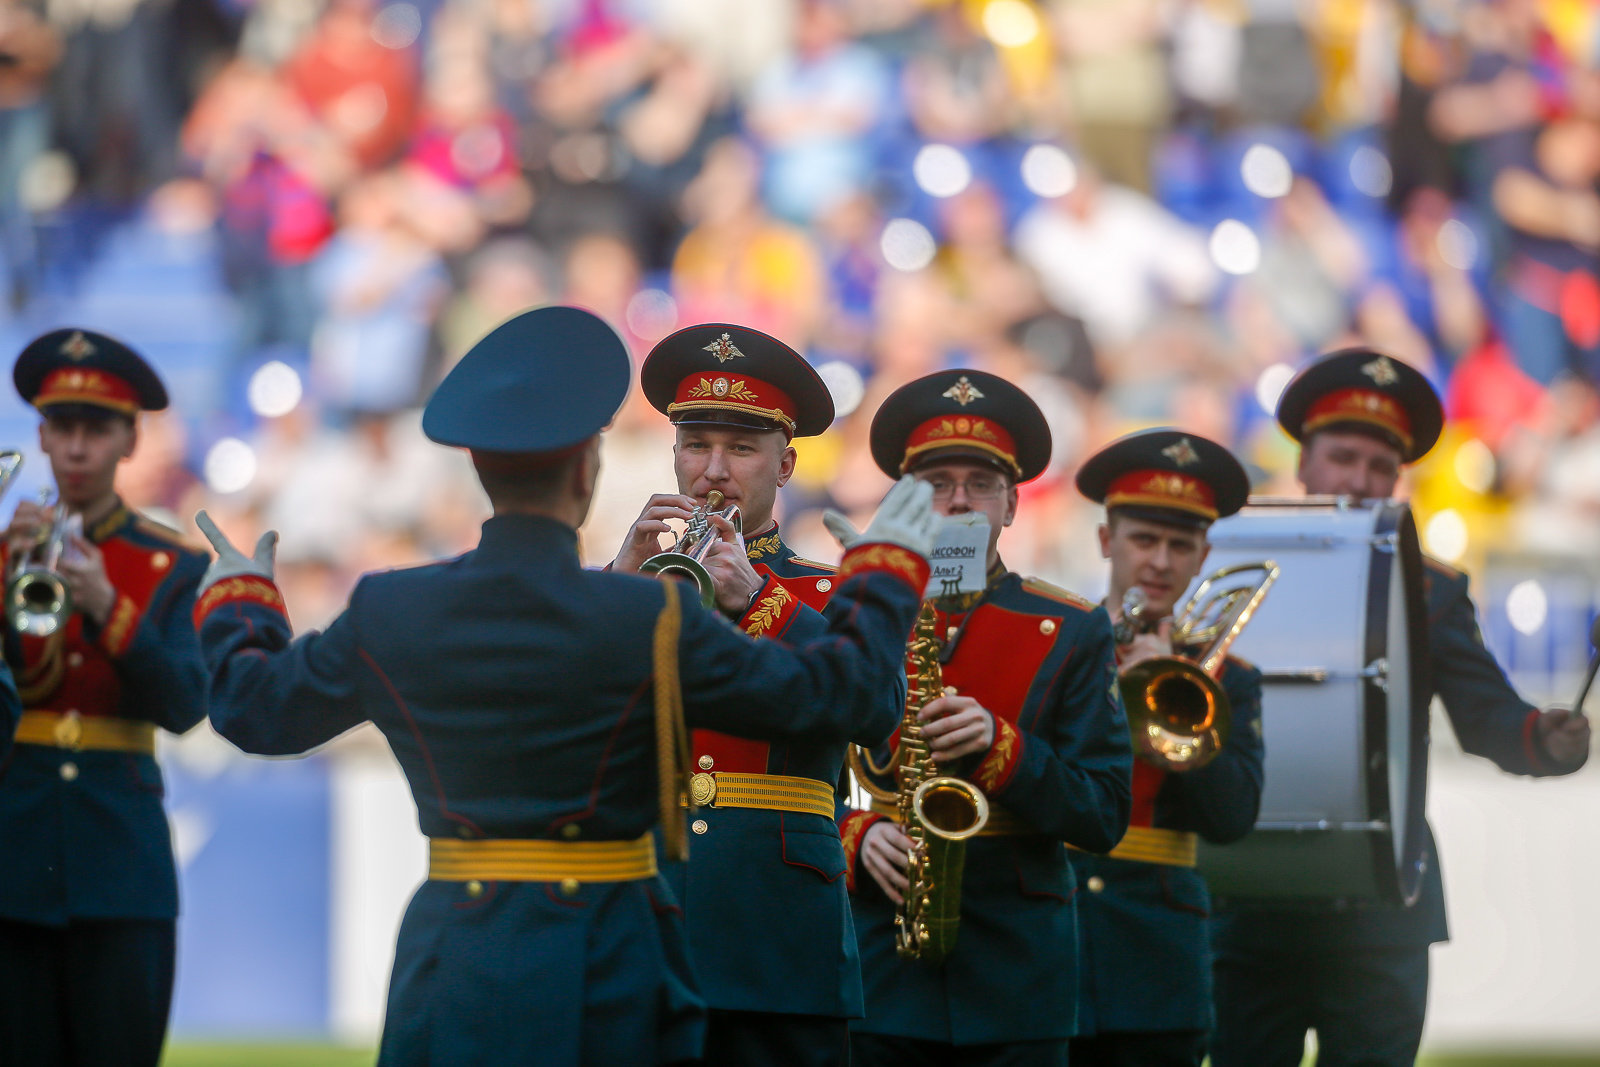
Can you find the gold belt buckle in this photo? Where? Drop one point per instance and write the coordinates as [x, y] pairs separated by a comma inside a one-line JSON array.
[[703, 789], [68, 731]]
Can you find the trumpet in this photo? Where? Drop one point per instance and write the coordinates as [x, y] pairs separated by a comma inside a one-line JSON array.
[[37, 600], [686, 556], [1178, 713]]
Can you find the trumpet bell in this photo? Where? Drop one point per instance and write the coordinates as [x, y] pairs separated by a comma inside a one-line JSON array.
[[1177, 713], [38, 603], [681, 564]]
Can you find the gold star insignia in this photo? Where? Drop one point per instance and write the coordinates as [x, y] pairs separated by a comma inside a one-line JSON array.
[[963, 392], [1181, 452], [724, 349], [1381, 371], [77, 347]]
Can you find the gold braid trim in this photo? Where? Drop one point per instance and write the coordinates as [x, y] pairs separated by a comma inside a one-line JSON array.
[[672, 739], [768, 611], [39, 681]]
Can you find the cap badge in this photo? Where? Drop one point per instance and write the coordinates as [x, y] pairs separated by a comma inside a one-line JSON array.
[[724, 349], [721, 388], [77, 347], [963, 392], [1381, 371], [1181, 452]]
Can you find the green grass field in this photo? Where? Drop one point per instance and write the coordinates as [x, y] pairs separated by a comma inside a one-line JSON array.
[[329, 1056]]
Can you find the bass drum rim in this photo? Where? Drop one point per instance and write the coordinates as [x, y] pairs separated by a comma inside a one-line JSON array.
[[1396, 530]]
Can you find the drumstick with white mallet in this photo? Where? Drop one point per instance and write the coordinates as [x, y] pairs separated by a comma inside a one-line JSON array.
[[1594, 664]]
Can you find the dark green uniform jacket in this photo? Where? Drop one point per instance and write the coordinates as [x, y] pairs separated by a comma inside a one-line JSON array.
[[763, 893], [515, 689], [1144, 962], [83, 834], [1042, 661]]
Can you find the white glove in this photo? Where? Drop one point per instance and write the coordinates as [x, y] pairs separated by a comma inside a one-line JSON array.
[[230, 562], [905, 518]]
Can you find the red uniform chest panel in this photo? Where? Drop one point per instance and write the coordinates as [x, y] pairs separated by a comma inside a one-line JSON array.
[[739, 755], [89, 682], [813, 592], [998, 655], [1147, 782]]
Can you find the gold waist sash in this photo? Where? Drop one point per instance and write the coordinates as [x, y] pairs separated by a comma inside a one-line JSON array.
[[515, 860], [74, 732], [1152, 844], [775, 792]]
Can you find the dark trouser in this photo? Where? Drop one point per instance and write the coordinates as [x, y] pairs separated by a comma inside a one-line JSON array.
[[1366, 1005], [760, 1038], [1177, 1048], [90, 994], [879, 1050]]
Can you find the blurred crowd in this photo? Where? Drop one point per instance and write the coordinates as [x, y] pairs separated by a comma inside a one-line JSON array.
[[1146, 211]]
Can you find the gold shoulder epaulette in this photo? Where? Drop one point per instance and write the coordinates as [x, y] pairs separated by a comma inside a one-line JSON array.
[[162, 532], [1442, 567], [1040, 587], [828, 567]]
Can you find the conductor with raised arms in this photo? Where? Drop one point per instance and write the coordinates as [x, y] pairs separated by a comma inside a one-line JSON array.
[[538, 710]]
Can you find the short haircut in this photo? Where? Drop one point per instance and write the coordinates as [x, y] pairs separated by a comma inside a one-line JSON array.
[[522, 478]]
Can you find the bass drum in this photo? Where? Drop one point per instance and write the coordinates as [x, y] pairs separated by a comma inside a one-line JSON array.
[[1342, 648]]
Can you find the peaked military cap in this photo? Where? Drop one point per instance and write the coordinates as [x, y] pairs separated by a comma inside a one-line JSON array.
[[961, 414], [1167, 476], [1366, 391], [88, 371], [541, 381], [720, 373]]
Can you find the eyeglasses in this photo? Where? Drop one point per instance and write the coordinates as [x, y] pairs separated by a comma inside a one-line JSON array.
[[979, 487]]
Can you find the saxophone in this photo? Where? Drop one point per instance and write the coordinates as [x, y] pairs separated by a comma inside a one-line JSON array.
[[937, 812]]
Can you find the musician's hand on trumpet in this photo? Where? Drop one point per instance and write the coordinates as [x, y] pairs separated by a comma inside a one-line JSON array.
[[886, 854], [28, 527], [83, 568], [728, 563], [644, 537], [956, 726]]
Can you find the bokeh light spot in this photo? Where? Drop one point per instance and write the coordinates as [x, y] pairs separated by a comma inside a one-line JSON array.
[[941, 170], [230, 466], [1266, 171], [1475, 465], [907, 245], [274, 390], [1010, 23], [1370, 172], [1445, 536], [1235, 247], [1527, 606], [1048, 171]]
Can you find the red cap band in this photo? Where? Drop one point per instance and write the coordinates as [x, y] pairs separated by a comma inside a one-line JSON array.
[[78, 385], [1163, 489], [1359, 405], [963, 431], [709, 390]]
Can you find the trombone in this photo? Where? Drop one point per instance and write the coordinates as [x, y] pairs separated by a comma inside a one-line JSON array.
[[686, 556], [1178, 713]]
